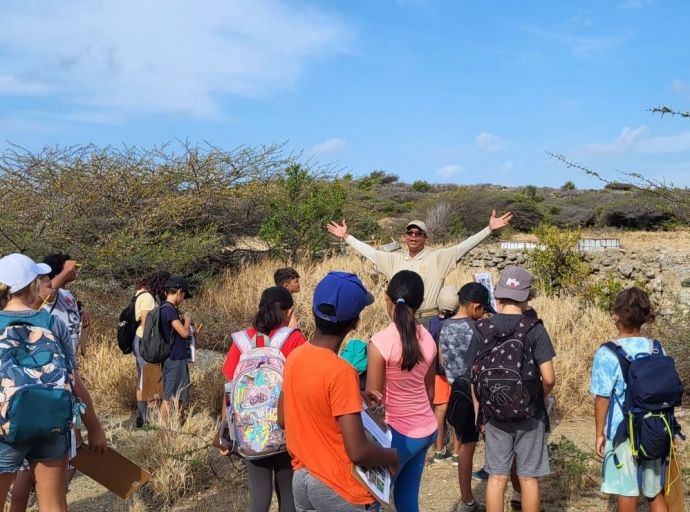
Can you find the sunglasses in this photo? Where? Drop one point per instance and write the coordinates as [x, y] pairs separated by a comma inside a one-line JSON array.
[[415, 233]]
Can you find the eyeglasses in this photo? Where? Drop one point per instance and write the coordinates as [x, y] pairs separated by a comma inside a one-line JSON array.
[[415, 233]]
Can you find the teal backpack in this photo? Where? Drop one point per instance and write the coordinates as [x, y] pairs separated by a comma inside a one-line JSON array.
[[36, 381]]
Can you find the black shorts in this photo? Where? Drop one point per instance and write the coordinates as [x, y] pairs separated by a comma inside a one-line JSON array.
[[460, 412]]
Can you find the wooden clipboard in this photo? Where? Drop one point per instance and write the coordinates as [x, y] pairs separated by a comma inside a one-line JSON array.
[[112, 470], [152, 382]]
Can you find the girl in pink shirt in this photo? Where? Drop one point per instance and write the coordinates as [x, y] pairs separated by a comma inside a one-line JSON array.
[[401, 367]]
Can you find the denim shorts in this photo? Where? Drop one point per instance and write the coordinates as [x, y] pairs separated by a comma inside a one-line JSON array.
[[12, 455], [140, 362]]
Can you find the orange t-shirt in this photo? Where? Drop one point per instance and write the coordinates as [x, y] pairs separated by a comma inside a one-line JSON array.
[[319, 386]]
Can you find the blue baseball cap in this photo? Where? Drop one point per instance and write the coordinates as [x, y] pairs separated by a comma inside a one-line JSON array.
[[345, 292]]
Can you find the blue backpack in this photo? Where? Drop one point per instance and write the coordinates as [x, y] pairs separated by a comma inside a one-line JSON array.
[[652, 390], [36, 381]]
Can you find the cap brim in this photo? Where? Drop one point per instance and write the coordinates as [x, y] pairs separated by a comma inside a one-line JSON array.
[[369, 300], [43, 269], [489, 308], [187, 295]]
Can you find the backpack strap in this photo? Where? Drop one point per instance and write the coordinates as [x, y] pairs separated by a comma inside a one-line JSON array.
[[42, 319], [281, 335], [242, 341]]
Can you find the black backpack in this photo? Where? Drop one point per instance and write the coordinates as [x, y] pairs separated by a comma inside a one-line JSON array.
[[652, 390], [127, 327], [154, 348], [505, 375]]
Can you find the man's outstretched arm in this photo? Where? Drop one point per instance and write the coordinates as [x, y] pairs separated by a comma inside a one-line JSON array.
[[341, 232], [495, 223]]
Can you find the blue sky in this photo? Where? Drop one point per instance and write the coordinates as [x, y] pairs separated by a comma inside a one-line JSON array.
[[445, 91]]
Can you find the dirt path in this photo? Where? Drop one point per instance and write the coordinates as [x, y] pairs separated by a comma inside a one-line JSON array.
[[439, 492]]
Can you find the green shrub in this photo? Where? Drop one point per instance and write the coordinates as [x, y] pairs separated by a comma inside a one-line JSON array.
[[421, 186], [603, 294], [558, 264]]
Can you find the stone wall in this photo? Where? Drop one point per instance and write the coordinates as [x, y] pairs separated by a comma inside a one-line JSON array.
[[661, 270]]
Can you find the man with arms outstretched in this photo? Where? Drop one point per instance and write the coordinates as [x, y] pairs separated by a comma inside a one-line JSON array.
[[432, 265]]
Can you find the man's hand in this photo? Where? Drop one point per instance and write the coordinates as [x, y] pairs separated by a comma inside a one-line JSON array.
[[600, 444], [496, 223], [97, 441], [393, 468], [340, 231]]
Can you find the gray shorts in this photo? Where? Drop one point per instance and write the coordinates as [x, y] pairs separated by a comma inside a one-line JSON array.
[[524, 440], [176, 379], [312, 495]]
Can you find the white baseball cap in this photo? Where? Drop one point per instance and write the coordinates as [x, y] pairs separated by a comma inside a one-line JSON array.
[[18, 271]]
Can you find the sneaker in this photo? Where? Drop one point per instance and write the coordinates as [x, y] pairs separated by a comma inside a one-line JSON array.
[[516, 504], [140, 422], [455, 460], [480, 475], [464, 507], [442, 456]]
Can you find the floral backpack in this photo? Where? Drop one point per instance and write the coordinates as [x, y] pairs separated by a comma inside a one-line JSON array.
[[253, 397], [36, 381]]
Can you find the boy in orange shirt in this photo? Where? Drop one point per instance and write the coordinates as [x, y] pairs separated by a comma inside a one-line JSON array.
[[320, 407]]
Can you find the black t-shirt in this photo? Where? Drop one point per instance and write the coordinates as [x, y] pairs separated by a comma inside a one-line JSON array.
[[169, 314]]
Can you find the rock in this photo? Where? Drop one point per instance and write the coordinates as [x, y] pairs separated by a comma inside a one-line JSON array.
[[650, 274], [685, 283], [607, 262], [497, 260], [666, 311], [492, 251], [476, 263], [520, 259], [626, 270], [511, 256], [684, 296]]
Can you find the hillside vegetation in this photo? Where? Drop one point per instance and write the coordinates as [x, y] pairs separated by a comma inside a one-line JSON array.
[[123, 212]]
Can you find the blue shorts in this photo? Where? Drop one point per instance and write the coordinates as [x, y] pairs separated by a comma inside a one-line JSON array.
[[12, 455]]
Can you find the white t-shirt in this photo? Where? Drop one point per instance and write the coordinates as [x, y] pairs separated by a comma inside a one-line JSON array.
[[66, 309]]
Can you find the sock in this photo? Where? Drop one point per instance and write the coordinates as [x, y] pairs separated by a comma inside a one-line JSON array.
[[516, 496], [470, 503], [142, 409]]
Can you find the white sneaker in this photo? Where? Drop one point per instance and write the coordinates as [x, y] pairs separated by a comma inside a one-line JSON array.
[[464, 507]]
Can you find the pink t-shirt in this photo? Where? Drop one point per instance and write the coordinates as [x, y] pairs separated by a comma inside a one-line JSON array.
[[408, 409]]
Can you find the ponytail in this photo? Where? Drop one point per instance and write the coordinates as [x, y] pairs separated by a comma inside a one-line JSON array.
[[274, 302], [406, 290]]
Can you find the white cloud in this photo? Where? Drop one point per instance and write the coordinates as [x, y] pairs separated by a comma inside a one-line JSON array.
[[623, 144], [506, 166], [581, 46], [329, 146], [161, 57], [489, 143], [634, 4], [669, 144], [680, 87], [449, 171]]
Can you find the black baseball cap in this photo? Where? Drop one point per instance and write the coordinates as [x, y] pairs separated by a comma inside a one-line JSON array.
[[477, 293], [178, 283]]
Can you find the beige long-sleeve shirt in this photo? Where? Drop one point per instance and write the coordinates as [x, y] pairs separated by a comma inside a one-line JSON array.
[[432, 265]]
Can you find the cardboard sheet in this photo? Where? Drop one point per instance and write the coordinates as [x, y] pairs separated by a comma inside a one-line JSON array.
[[111, 470], [152, 382]]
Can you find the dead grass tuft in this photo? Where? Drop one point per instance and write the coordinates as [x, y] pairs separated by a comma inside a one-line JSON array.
[[176, 454]]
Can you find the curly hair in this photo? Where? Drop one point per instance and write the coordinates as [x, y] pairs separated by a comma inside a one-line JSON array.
[[154, 283]]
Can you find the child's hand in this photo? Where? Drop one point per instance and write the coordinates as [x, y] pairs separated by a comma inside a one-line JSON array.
[[372, 398], [393, 468], [676, 442], [600, 444], [224, 451]]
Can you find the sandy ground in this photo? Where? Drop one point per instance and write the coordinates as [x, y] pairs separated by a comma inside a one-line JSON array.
[[439, 492]]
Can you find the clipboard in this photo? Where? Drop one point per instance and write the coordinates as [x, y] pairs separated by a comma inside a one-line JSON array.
[[112, 470], [152, 382]]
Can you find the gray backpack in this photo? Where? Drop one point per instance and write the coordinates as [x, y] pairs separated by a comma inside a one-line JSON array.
[[154, 347]]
